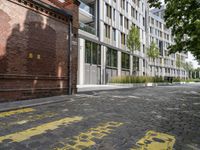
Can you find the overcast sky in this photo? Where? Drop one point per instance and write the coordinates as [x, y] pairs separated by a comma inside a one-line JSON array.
[[192, 59]]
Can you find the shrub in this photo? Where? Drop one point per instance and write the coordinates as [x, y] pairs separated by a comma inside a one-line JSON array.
[[176, 79], [136, 79]]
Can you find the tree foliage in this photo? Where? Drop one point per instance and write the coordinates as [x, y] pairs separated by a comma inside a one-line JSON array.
[[188, 66], [178, 61], [153, 51], [183, 17], [133, 39]]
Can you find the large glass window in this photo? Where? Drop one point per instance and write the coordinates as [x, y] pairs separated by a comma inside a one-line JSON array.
[[111, 58], [92, 53], [125, 61]]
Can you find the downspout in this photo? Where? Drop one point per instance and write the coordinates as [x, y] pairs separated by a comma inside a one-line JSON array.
[[70, 57]]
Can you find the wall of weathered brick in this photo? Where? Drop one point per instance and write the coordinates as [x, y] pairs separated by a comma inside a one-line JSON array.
[[34, 52]]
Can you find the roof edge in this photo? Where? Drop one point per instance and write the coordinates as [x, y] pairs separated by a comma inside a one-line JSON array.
[[57, 10]]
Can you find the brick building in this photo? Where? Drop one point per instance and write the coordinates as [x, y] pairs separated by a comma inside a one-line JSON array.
[[38, 48]]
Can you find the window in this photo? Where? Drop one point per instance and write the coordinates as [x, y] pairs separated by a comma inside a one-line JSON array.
[[111, 58], [151, 30], [126, 6], [160, 25], [136, 15], [114, 34], [126, 23], [125, 61], [152, 21], [144, 62], [107, 30], [156, 23], [160, 33], [122, 4], [123, 38], [92, 53], [143, 21], [138, 3], [121, 20], [133, 12], [142, 7], [108, 11], [114, 14], [143, 48]]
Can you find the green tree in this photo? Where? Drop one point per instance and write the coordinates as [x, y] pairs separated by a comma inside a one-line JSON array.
[[188, 66], [183, 17], [153, 52], [133, 39], [179, 63]]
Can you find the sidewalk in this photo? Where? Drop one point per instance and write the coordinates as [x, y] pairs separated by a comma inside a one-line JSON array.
[[92, 87], [6, 106]]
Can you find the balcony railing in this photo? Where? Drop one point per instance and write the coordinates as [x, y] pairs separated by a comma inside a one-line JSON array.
[[86, 8], [87, 28]]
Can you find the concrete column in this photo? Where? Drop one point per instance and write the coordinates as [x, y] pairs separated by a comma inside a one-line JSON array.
[[103, 64], [119, 63], [140, 66], [163, 72], [96, 16], [81, 62]]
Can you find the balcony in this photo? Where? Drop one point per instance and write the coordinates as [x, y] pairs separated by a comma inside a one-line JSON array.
[[86, 13], [87, 28]]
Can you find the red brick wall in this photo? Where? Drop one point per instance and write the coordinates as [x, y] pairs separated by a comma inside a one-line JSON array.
[[33, 52]]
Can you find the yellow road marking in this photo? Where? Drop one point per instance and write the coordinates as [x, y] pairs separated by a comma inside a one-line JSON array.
[[18, 111], [29, 118], [26, 134], [155, 141], [35, 118], [85, 139]]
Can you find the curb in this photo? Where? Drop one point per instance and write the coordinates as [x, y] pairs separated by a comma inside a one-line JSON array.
[[31, 105], [113, 89]]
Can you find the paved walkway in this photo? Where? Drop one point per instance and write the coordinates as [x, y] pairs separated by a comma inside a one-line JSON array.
[[85, 88], [55, 99]]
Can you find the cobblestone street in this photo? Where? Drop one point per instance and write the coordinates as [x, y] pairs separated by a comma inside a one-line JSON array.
[[169, 116]]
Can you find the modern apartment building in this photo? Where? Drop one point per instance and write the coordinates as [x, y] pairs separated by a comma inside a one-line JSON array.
[[103, 54], [165, 65]]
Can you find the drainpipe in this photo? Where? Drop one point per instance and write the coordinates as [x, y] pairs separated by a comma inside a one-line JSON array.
[[70, 57]]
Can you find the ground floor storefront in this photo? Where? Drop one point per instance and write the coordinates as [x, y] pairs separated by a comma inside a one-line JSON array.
[[98, 63]]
